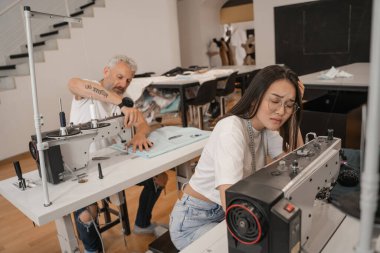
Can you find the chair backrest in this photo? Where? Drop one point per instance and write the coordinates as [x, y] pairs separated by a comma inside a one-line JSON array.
[[206, 93], [146, 74], [250, 78], [230, 85]]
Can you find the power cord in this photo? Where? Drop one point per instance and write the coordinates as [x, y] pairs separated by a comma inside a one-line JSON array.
[[97, 231], [121, 222]]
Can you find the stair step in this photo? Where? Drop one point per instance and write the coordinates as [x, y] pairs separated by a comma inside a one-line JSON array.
[[87, 5], [48, 34], [37, 44], [100, 3], [50, 44], [77, 13], [7, 83], [16, 56], [18, 59], [6, 67], [60, 24], [21, 69], [63, 33]]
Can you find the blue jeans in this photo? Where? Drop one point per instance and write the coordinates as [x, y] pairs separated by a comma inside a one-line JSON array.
[[148, 197], [191, 218], [87, 233]]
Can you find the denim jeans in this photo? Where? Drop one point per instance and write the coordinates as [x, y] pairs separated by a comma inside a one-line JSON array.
[[87, 233], [191, 218], [148, 198], [89, 236]]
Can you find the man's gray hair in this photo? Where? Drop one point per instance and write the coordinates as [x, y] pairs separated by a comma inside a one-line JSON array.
[[122, 58]]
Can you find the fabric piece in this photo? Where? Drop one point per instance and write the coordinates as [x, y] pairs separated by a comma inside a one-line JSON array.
[[166, 139]]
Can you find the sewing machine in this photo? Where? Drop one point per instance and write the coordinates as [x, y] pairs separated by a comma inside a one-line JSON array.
[[68, 147], [283, 207]]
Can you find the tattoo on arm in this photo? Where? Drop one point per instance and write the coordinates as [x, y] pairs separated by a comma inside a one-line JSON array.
[[88, 86], [100, 92]]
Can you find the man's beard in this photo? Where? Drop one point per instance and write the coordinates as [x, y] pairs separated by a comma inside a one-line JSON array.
[[119, 91]]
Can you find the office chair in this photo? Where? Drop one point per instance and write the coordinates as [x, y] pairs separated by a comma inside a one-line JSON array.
[[244, 84], [206, 93], [222, 93]]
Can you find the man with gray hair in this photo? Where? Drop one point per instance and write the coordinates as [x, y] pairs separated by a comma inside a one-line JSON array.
[[107, 97]]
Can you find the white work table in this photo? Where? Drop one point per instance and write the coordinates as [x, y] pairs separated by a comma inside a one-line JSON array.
[[215, 240], [120, 172], [358, 82], [241, 69]]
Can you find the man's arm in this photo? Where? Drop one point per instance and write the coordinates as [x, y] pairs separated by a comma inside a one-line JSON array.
[[88, 89]]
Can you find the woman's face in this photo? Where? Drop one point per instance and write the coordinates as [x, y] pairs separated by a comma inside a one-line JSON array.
[[277, 106]]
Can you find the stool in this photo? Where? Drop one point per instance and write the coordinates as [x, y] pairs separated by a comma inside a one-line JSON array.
[[123, 214], [206, 93], [222, 93], [163, 244]]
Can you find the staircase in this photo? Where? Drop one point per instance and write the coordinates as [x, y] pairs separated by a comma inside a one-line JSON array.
[[148, 35], [17, 63]]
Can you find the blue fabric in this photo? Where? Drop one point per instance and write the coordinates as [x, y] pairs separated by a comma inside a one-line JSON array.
[[172, 107], [166, 139], [191, 218]]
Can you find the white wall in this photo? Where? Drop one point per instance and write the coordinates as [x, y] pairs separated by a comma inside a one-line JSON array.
[[198, 23], [264, 29], [145, 30]]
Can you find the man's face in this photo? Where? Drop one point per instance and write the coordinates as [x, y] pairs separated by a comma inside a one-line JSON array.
[[117, 78]]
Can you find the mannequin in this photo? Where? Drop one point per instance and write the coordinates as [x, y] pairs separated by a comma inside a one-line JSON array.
[[249, 48], [213, 54]]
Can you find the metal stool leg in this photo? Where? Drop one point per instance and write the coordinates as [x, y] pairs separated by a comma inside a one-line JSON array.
[[222, 106], [200, 117]]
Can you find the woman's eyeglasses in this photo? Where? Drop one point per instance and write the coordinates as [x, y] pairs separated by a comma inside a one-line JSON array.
[[275, 104]]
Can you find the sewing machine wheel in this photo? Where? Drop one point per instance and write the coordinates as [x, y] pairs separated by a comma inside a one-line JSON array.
[[57, 133], [246, 222], [87, 126], [33, 150]]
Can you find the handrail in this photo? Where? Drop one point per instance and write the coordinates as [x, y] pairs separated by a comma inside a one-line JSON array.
[[9, 7]]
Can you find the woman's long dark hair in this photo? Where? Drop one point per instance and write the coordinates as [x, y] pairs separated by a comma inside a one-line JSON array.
[[248, 105]]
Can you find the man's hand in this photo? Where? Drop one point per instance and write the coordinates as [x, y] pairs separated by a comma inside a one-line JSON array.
[[131, 116], [141, 142]]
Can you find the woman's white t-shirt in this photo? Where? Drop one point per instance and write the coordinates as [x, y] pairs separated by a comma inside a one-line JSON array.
[[226, 158]]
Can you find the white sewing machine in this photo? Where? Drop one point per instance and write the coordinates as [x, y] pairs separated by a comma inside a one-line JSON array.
[[69, 148], [282, 207]]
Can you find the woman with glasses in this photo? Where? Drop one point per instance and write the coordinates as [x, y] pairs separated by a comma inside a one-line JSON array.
[[263, 125]]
